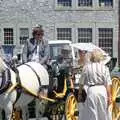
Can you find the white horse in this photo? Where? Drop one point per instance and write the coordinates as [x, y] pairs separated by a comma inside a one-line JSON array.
[[32, 76]]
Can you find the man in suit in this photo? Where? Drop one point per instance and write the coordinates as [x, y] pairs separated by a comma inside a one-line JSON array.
[[36, 48]]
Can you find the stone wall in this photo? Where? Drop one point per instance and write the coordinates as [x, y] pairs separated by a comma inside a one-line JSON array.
[[17, 13]]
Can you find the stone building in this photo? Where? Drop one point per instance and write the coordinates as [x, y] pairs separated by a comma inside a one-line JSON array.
[[76, 20]]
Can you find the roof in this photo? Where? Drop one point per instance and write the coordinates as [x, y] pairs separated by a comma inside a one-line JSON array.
[[59, 42]]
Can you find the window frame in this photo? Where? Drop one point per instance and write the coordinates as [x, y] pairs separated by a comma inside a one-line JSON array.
[[85, 3], [105, 47], [85, 37], [74, 6], [27, 36], [64, 34], [102, 4], [8, 42], [57, 7], [60, 4]]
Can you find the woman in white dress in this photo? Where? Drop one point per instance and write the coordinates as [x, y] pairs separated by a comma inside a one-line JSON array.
[[96, 77]]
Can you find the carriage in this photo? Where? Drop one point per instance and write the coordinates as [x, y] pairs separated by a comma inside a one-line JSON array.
[[53, 88], [57, 101], [56, 88]]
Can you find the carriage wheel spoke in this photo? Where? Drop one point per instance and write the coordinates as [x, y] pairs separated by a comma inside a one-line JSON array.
[[71, 108], [115, 94]]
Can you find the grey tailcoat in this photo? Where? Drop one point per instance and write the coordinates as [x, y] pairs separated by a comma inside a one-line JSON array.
[[30, 47]]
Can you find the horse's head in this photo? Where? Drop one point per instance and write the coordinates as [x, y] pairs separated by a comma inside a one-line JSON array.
[[58, 69], [3, 66], [55, 69]]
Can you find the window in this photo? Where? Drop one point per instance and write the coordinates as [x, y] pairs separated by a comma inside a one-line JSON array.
[[84, 34], [106, 39], [57, 49], [8, 36], [106, 3], [65, 3], [24, 35], [64, 33], [84, 2]]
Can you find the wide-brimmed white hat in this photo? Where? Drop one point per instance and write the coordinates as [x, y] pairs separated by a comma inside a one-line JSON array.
[[90, 47]]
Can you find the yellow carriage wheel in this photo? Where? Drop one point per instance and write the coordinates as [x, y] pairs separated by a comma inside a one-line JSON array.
[[71, 108], [115, 95]]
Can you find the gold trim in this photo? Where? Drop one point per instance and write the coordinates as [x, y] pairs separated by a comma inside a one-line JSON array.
[[11, 88], [38, 95], [114, 108], [62, 94]]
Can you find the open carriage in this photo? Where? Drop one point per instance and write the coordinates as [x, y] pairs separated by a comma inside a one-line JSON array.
[[55, 89], [111, 62], [57, 101]]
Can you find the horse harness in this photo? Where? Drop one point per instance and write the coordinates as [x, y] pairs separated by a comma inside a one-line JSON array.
[[35, 73], [20, 88], [5, 80]]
